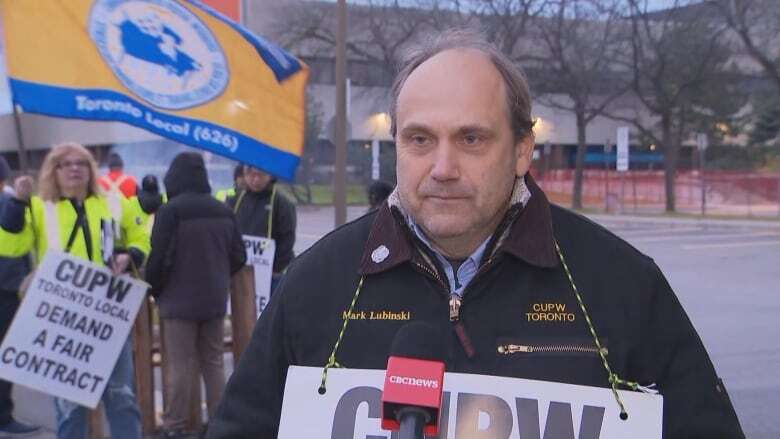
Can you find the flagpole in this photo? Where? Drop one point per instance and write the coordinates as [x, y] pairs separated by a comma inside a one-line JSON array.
[[244, 12], [339, 176], [23, 165]]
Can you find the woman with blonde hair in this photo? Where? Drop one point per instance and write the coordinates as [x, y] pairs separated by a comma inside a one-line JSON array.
[[72, 215]]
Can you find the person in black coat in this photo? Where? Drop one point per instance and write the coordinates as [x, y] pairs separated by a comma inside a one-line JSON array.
[[196, 247], [263, 211], [469, 244]]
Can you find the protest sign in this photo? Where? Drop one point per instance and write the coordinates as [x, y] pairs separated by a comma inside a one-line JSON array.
[[70, 328], [260, 255], [472, 406]]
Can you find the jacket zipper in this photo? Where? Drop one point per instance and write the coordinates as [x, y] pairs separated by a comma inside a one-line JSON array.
[[508, 349], [432, 274], [457, 301], [454, 305]]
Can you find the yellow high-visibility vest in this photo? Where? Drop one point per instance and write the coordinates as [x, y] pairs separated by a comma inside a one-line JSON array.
[[223, 194], [48, 225]]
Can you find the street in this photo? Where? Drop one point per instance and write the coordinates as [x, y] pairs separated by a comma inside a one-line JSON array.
[[725, 273]]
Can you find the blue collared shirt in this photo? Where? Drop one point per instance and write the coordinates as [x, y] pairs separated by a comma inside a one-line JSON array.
[[467, 270]]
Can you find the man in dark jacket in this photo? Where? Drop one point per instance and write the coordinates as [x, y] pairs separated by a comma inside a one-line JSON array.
[[12, 272], [469, 243], [196, 247], [264, 212]]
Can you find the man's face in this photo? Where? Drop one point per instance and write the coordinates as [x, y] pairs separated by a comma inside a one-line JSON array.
[[255, 179], [456, 155], [73, 172]]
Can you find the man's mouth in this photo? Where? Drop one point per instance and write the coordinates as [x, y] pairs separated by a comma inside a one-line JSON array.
[[445, 198]]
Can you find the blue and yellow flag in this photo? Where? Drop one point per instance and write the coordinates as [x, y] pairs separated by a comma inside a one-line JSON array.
[[174, 67]]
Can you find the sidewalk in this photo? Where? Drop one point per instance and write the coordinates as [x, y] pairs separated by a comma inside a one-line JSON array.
[[35, 408], [673, 220]]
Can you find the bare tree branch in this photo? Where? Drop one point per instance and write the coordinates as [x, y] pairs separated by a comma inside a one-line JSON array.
[[677, 59], [748, 19]]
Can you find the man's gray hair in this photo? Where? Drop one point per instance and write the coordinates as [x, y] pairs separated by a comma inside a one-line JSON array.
[[518, 96]]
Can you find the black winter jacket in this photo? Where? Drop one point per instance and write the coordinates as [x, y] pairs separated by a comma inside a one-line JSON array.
[[196, 246], [253, 214], [520, 295]]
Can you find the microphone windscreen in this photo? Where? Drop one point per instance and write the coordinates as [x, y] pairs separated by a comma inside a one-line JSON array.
[[420, 340]]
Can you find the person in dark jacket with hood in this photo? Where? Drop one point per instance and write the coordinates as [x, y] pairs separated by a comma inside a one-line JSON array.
[[264, 212], [196, 247], [470, 244]]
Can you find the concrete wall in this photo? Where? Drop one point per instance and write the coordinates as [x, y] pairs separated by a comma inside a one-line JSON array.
[[40, 132]]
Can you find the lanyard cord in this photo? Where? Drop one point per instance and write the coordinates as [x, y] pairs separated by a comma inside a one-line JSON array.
[[270, 211], [614, 379], [332, 359], [81, 221], [239, 200]]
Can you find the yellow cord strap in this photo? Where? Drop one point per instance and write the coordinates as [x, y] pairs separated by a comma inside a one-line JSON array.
[[614, 379], [332, 359], [270, 211]]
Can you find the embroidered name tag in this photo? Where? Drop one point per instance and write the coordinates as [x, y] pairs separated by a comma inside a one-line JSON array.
[[377, 315], [549, 312]]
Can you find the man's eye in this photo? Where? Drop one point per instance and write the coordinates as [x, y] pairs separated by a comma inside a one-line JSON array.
[[419, 140], [471, 139]]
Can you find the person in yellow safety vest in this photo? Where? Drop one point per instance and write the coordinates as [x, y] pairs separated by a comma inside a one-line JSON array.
[[72, 215], [145, 205], [238, 184]]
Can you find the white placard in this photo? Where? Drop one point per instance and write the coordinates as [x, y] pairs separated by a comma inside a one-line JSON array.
[[622, 149], [70, 328], [260, 255], [473, 406]]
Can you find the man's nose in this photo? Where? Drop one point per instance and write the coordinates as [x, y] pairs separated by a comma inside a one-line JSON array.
[[445, 164]]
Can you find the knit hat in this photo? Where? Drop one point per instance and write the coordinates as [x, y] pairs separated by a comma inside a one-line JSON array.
[[115, 161]]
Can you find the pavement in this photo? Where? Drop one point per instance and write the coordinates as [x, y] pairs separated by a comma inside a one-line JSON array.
[[724, 272]]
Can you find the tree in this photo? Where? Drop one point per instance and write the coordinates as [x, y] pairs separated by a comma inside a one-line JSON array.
[[507, 23], [581, 41], [379, 30], [766, 129], [678, 73], [756, 23], [314, 124]]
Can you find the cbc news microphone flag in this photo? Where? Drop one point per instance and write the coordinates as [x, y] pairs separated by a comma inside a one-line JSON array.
[[176, 68]]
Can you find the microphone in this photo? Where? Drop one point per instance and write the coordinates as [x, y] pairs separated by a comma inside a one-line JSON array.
[[411, 399]]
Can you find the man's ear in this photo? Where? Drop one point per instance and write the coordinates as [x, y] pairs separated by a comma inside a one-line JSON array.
[[524, 151]]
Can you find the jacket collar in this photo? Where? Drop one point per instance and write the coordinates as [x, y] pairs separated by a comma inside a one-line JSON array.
[[526, 233]]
